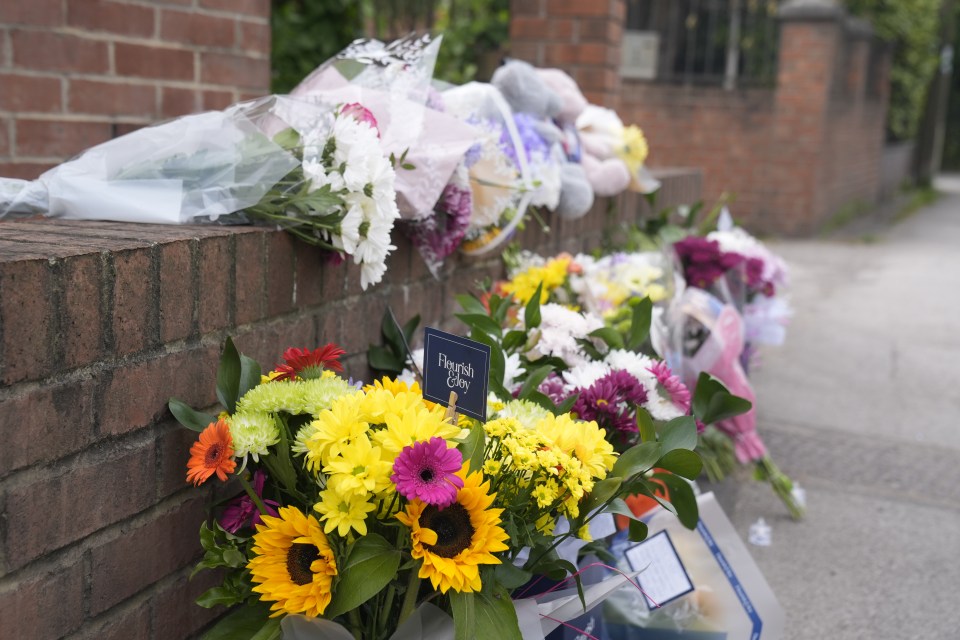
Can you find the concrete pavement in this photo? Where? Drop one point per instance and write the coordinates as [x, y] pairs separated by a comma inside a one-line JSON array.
[[862, 407]]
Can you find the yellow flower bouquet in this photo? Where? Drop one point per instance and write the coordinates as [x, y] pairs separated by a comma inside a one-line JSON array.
[[368, 510]]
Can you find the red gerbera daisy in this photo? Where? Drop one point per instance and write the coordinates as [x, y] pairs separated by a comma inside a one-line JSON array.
[[306, 364]]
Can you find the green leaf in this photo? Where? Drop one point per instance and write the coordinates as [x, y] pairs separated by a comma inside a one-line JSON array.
[[498, 363], [638, 531], [637, 459], [531, 313], [473, 446], [233, 558], [682, 498], [287, 138], [391, 332], [243, 622], [381, 359], [481, 322], [510, 576], [566, 405], [609, 335], [249, 375], [679, 433], [514, 340], [228, 377], [464, 615], [470, 304], [640, 324], [532, 383], [682, 462], [712, 401], [410, 326], [219, 595], [188, 417], [541, 400], [648, 432], [602, 491], [371, 565], [496, 616]]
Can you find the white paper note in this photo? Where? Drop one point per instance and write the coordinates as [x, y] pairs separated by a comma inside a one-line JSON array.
[[663, 577]]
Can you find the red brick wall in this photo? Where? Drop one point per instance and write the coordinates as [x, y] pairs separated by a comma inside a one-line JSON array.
[[580, 36], [74, 73], [101, 323]]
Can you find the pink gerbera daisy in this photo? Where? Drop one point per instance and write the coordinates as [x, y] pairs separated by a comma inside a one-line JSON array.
[[679, 394], [426, 471]]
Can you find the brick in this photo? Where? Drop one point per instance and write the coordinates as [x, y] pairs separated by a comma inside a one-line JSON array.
[[4, 138], [528, 27], [280, 273], [114, 17], [606, 31], [58, 52], [45, 605], [134, 307], [212, 100], [216, 277], [311, 263], [153, 62], [249, 277], [177, 291], [527, 8], [24, 170], [131, 621], [29, 93], [582, 8], [84, 499], [112, 98], [254, 37], [182, 617], [234, 70], [259, 8], [178, 102], [52, 138], [26, 314], [191, 28], [83, 318], [46, 13], [266, 343], [144, 555], [173, 450], [188, 375], [45, 424]]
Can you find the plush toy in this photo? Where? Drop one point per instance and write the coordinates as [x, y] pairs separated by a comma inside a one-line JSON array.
[[565, 187], [607, 174]]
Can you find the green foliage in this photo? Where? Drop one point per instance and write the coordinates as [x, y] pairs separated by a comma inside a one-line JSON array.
[[305, 33], [473, 31], [911, 26], [371, 565]]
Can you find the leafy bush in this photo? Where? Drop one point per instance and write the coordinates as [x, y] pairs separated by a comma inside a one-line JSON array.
[[911, 26]]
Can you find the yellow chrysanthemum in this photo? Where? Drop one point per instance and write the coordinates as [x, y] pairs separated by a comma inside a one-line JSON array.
[[452, 542], [552, 275], [334, 430], [293, 565], [393, 386], [359, 469], [413, 424], [545, 494], [635, 149], [343, 512], [585, 440]]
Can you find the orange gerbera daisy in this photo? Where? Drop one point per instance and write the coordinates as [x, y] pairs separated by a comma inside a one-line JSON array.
[[212, 453]]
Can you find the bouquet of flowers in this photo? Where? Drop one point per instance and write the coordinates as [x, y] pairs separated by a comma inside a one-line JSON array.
[[316, 170], [367, 511]]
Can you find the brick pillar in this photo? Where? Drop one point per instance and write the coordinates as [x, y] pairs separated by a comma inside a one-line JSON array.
[[582, 37], [74, 73], [810, 39]]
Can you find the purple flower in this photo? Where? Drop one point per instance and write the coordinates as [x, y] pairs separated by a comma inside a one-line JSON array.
[[530, 138], [553, 388], [703, 261], [611, 402], [242, 509], [426, 471], [439, 235]]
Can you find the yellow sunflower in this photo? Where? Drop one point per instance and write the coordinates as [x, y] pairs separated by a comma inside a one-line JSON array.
[[293, 564], [453, 541]]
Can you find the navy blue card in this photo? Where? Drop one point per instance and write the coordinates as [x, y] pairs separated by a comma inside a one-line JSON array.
[[452, 363]]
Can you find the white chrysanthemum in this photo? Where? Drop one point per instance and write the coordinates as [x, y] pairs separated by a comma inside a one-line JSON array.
[[525, 412], [357, 149], [584, 374], [511, 371], [559, 330], [349, 236], [253, 434]]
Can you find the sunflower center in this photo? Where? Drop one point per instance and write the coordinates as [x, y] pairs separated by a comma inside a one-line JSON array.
[[213, 453], [426, 474], [452, 526], [299, 558]]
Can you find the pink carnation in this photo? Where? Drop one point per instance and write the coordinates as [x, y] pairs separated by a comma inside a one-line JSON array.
[[361, 114]]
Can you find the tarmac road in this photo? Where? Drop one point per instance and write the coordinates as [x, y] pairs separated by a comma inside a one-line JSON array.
[[862, 407]]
